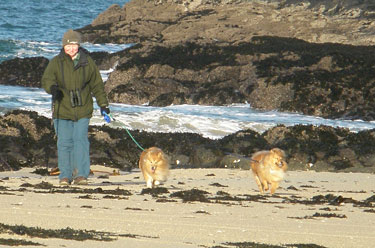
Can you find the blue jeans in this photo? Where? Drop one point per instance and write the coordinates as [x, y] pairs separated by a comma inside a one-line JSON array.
[[73, 147]]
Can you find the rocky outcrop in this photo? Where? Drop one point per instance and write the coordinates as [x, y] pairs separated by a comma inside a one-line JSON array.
[[28, 72], [311, 57], [223, 52], [234, 21], [270, 73], [28, 140], [23, 72]]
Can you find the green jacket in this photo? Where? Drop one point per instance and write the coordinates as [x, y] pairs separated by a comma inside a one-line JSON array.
[[85, 76]]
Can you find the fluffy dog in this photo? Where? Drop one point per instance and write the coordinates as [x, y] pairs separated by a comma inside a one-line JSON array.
[[268, 168], [154, 165]]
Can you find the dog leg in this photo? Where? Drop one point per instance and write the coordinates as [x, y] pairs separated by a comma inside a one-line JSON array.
[[260, 186], [265, 185], [274, 186], [149, 180], [156, 182], [150, 183]]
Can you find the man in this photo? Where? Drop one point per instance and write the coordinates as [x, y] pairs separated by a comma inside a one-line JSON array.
[[72, 78]]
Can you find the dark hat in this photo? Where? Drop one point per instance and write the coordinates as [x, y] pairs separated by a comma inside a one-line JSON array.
[[71, 37]]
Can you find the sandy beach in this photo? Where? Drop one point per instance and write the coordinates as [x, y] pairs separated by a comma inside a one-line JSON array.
[[194, 208]]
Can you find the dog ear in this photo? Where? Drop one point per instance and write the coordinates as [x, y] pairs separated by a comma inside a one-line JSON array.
[[160, 155], [278, 151]]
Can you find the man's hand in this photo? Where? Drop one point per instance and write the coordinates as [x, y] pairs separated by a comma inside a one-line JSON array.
[[57, 94], [104, 109]]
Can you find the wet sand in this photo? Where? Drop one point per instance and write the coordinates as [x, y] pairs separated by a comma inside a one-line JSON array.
[[194, 208]]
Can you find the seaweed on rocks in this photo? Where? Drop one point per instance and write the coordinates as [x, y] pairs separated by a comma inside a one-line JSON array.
[[187, 56], [308, 147]]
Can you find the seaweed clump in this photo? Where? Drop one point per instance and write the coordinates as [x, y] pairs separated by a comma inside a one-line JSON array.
[[18, 242], [66, 233], [154, 191], [192, 195]]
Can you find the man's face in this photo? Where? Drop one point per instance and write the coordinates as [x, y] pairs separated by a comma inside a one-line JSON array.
[[71, 49]]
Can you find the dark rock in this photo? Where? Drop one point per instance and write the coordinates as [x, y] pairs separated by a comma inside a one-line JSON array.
[[28, 141], [103, 60], [244, 142], [234, 161], [23, 72], [270, 73], [28, 72]]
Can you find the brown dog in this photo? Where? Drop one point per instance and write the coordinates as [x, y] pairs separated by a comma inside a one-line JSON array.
[[268, 168], [154, 165]]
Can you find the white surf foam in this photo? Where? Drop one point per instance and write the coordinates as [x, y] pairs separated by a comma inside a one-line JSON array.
[[210, 121]]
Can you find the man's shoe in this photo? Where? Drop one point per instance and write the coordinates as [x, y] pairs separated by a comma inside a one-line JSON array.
[[64, 182], [80, 181]]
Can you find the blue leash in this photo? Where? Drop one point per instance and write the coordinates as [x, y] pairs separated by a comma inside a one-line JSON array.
[[108, 118]]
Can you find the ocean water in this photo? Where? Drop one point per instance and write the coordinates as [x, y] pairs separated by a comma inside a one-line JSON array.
[[35, 28]]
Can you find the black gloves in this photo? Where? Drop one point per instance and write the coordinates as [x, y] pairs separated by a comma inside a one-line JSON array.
[[105, 109], [57, 94]]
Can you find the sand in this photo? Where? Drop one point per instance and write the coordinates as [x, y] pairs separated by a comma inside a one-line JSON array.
[[325, 209]]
